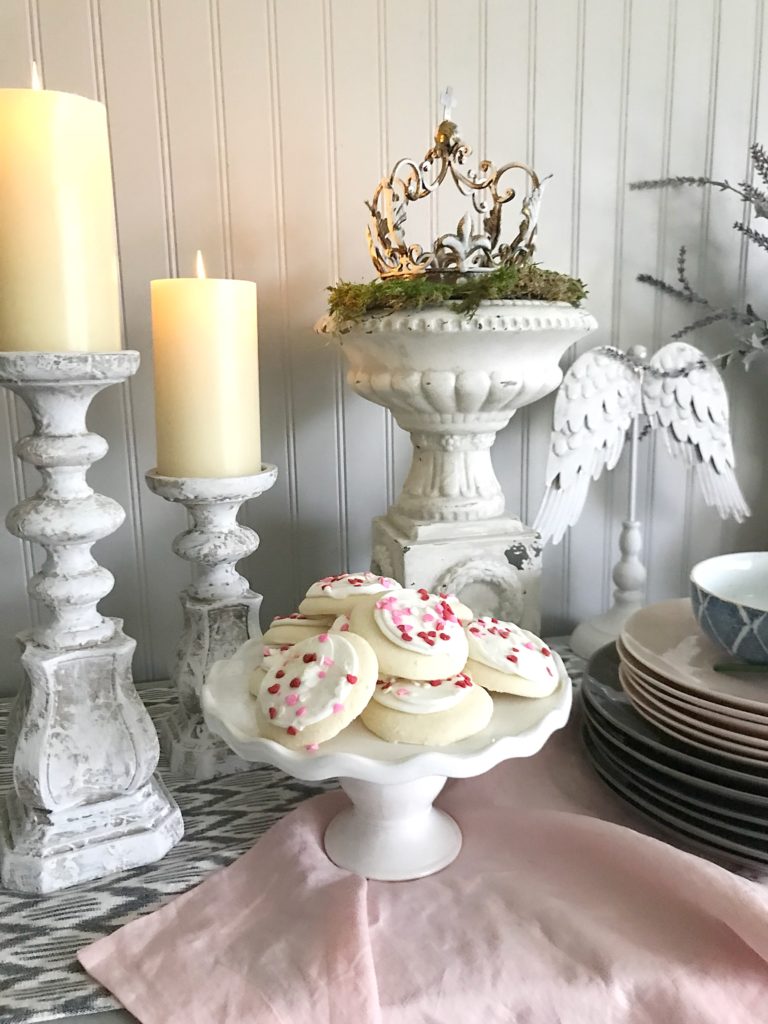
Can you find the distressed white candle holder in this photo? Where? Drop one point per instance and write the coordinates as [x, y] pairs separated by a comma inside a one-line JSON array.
[[85, 800], [221, 611]]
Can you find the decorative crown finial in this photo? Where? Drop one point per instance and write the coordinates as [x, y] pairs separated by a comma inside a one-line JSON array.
[[473, 248]]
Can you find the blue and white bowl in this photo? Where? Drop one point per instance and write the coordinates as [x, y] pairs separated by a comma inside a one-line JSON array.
[[730, 601]]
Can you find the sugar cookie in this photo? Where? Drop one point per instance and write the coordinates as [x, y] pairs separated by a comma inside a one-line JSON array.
[[323, 684], [336, 595], [414, 634], [429, 713], [290, 629], [506, 658]]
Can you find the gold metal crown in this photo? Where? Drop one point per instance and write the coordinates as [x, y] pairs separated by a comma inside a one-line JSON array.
[[471, 249]]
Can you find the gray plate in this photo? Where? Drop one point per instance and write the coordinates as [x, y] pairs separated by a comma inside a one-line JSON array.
[[677, 822], [712, 810]]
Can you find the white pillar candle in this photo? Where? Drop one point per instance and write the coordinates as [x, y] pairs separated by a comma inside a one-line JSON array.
[[205, 344], [59, 284]]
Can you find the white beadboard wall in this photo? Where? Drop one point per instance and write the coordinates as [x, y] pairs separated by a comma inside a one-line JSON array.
[[254, 130]]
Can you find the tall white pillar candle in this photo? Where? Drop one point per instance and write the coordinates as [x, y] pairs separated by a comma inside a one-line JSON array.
[[59, 284], [205, 343]]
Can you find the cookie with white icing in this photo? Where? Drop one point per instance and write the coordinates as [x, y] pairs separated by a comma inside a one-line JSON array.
[[414, 634], [507, 659], [290, 629], [321, 686], [286, 632], [429, 712], [337, 595]]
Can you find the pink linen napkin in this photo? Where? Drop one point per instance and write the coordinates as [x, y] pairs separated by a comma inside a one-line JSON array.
[[557, 911]]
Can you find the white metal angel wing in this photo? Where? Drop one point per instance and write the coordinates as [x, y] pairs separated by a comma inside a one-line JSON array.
[[692, 409], [594, 408]]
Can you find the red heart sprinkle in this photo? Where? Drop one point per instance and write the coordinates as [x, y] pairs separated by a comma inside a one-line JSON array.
[[352, 679], [274, 688], [309, 657], [291, 730], [546, 652], [295, 683], [512, 657], [444, 636], [272, 712]]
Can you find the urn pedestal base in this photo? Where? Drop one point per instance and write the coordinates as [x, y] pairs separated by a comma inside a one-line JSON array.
[[492, 565], [213, 630], [85, 802]]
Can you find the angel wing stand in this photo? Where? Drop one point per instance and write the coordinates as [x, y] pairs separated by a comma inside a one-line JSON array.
[[629, 574], [603, 394]]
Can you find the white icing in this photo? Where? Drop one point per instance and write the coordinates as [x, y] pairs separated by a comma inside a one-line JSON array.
[[274, 654], [350, 583], [297, 619], [422, 623], [510, 649], [324, 670], [422, 698]]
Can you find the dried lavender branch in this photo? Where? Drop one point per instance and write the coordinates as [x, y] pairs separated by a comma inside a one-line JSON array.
[[684, 294], [760, 160], [757, 237], [704, 321]]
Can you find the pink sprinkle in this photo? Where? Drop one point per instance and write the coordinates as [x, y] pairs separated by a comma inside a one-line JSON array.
[[327, 661], [529, 646], [321, 675], [300, 712], [401, 692], [337, 708], [427, 617], [323, 637], [343, 629], [312, 747], [291, 699]]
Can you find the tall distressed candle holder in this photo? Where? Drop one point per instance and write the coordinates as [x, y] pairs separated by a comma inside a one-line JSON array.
[[221, 611], [85, 801]]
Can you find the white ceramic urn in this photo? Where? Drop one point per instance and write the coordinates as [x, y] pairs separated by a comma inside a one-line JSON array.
[[453, 381]]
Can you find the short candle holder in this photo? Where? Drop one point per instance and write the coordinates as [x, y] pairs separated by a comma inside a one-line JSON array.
[[85, 801], [221, 611]]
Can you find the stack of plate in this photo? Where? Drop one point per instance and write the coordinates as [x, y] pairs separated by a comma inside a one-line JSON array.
[[685, 744]]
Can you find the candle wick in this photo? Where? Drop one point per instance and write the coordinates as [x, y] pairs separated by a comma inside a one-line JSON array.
[[37, 82]]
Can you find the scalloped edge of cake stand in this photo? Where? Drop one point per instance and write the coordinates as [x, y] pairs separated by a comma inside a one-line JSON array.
[[391, 831]]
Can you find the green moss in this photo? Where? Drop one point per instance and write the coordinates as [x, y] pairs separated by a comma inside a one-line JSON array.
[[350, 302]]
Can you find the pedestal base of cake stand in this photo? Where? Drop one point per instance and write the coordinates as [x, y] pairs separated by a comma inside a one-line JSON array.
[[391, 831]]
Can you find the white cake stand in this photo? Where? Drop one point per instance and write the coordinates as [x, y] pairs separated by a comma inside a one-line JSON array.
[[391, 831]]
